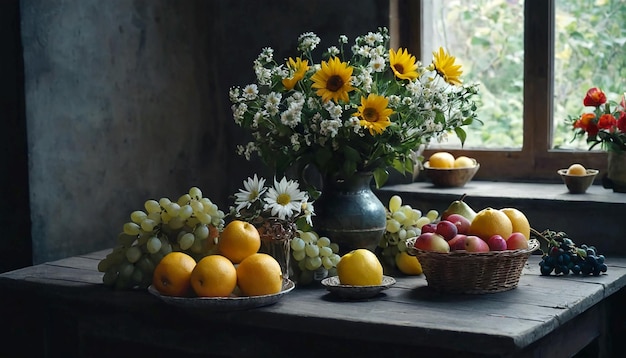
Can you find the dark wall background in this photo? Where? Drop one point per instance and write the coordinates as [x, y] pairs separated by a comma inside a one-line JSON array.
[[110, 103]]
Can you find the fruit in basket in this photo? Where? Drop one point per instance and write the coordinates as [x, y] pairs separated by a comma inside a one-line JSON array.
[[446, 229], [457, 242], [475, 244], [433, 242], [489, 222], [259, 274], [360, 267], [430, 227], [519, 221], [172, 274], [461, 222], [408, 264], [239, 240], [213, 276], [516, 241], [459, 207], [497, 243], [442, 160]]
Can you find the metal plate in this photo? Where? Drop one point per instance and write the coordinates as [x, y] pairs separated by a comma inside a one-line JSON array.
[[356, 292], [225, 303]]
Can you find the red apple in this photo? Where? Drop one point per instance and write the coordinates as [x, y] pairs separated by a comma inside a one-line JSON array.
[[516, 241], [497, 243], [446, 229], [462, 223], [430, 241], [457, 242], [475, 244], [432, 227]]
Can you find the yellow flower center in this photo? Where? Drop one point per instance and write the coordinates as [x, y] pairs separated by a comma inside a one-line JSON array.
[[399, 67], [283, 199]]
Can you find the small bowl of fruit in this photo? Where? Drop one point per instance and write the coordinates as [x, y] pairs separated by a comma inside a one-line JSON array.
[[577, 178], [446, 171]]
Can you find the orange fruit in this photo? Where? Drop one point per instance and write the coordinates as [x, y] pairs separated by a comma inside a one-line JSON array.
[[576, 169], [489, 222], [238, 240], [259, 274], [214, 276], [171, 275], [464, 162], [442, 160], [518, 220], [360, 267], [408, 264]]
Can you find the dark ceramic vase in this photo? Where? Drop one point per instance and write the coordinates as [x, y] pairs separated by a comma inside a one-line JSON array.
[[616, 173], [350, 214]]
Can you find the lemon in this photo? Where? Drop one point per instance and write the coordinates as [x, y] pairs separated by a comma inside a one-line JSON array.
[[442, 160], [519, 221], [408, 264], [360, 267], [489, 222], [464, 162]]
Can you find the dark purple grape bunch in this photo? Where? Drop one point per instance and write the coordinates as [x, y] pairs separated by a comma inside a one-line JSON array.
[[563, 257]]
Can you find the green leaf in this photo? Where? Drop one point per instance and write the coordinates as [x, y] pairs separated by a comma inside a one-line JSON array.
[[380, 177], [460, 132]]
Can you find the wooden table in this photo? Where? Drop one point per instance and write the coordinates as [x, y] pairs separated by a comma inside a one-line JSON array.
[[61, 309]]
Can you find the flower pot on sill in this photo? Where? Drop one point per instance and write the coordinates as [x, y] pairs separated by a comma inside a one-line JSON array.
[[616, 172]]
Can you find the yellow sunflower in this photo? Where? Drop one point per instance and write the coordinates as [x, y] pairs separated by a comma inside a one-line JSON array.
[[403, 64], [333, 80], [374, 113], [299, 69], [444, 65]]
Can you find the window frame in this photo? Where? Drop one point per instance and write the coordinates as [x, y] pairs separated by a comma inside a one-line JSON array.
[[535, 160]]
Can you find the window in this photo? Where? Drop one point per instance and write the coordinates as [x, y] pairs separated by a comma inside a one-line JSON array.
[[529, 112]]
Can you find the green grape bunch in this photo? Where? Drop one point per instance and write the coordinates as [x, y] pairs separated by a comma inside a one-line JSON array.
[[316, 256], [190, 224], [403, 222]]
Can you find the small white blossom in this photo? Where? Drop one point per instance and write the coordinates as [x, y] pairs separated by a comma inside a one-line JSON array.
[[250, 92], [333, 51]]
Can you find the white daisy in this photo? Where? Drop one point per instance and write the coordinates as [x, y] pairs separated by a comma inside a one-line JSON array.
[[254, 188], [284, 199]]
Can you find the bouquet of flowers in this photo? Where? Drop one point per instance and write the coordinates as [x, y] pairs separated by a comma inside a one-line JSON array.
[[603, 126], [362, 108]]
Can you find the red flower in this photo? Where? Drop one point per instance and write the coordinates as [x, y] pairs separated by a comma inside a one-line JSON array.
[[594, 98], [606, 121], [587, 124]]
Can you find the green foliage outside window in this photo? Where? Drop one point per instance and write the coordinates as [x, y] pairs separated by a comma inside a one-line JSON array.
[[487, 37]]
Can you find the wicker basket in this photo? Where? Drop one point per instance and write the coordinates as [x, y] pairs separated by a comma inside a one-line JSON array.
[[473, 273]]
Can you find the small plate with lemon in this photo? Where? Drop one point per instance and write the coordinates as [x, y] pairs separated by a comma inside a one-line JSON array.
[[359, 276], [446, 171]]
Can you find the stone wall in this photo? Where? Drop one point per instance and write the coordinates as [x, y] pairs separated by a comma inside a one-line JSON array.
[[128, 100]]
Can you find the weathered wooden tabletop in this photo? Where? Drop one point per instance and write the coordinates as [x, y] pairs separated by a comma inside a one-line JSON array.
[[408, 317]]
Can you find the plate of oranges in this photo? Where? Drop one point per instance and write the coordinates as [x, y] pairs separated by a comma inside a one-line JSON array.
[[236, 277]]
